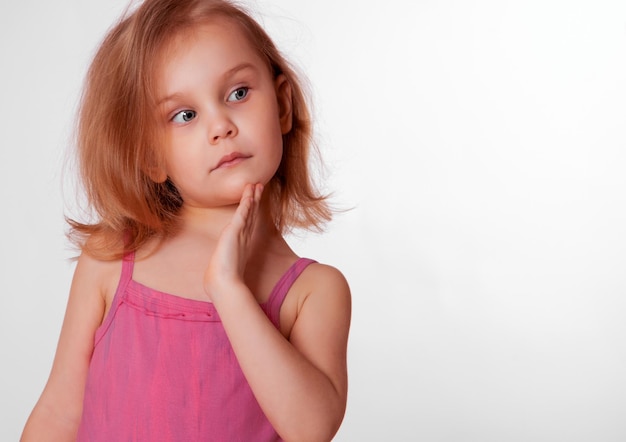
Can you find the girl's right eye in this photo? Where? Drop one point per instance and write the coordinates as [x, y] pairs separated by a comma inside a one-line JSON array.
[[184, 116]]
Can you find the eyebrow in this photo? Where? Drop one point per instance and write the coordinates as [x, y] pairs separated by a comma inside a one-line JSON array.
[[228, 73], [239, 67]]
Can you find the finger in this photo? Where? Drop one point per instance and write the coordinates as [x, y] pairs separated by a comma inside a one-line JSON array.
[[246, 212], [253, 208], [245, 203], [247, 195], [258, 192]]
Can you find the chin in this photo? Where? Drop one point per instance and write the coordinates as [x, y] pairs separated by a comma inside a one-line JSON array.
[[233, 195], [232, 191]]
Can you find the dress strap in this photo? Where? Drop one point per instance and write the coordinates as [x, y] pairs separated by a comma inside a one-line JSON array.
[[128, 264], [275, 301]]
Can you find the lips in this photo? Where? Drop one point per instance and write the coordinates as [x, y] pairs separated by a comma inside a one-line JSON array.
[[230, 160]]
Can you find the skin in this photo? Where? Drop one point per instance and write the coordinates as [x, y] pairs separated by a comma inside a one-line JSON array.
[[227, 250]]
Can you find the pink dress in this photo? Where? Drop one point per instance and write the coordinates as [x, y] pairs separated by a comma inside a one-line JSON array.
[[163, 369]]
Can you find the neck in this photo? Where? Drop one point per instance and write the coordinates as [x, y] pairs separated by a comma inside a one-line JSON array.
[[200, 229], [207, 222], [210, 222]]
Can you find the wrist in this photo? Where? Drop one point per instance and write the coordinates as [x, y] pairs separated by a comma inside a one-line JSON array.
[[226, 288]]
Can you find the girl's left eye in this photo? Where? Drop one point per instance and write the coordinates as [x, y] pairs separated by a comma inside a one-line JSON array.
[[184, 116], [238, 94]]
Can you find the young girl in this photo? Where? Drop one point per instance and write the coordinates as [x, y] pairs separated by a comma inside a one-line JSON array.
[[189, 317]]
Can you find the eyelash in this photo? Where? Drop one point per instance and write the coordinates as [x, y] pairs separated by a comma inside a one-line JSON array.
[[184, 114], [242, 88]]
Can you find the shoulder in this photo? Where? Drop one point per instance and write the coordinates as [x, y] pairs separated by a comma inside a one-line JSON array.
[[324, 287], [320, 294], [97, 275], [320, 277]]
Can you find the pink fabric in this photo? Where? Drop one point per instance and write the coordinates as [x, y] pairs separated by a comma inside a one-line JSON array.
[[163, 369]]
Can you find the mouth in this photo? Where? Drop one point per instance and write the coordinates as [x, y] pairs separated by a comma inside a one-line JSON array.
[[230, 160]]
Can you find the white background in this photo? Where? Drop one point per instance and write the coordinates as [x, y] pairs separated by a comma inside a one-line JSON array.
[[482, 147]]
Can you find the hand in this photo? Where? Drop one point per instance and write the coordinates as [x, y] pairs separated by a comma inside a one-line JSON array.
[[228, 262]]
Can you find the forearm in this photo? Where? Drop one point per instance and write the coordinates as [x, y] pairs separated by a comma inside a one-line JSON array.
[[47, 424], [300, 401]]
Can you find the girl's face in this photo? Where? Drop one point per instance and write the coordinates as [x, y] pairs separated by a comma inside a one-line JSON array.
[[222, 112]]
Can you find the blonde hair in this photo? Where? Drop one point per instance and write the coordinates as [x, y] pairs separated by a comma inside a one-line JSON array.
[[117, 140]]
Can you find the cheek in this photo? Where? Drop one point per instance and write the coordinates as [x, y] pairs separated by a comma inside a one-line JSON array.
[[179, 166], [179, 153], [275, 136], [275, 148]]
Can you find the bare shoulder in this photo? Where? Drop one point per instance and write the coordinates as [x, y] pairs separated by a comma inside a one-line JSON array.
[[323, 292], [98, 267], [322, 279], [96, 277]]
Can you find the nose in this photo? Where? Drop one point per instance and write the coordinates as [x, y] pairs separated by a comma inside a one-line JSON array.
[[221, 127]]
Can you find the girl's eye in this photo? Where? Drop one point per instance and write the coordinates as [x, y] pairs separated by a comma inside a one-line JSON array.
[[238, 94], [184, 116]]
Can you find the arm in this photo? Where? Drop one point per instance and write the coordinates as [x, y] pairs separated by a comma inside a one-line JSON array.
[[300, 383], [57, 414]]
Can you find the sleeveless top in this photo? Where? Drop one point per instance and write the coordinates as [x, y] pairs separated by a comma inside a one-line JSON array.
[[163, 369]]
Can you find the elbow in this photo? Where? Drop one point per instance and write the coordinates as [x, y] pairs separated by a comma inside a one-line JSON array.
[[317, 427]]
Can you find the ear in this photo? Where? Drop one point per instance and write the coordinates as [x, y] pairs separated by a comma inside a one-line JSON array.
[[153, 166], [156, 174], [285, 105]]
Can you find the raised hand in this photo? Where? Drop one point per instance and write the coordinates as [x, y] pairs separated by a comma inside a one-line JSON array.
[[228, 262]]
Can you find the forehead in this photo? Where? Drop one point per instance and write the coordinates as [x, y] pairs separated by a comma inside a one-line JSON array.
[[213, 46]]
